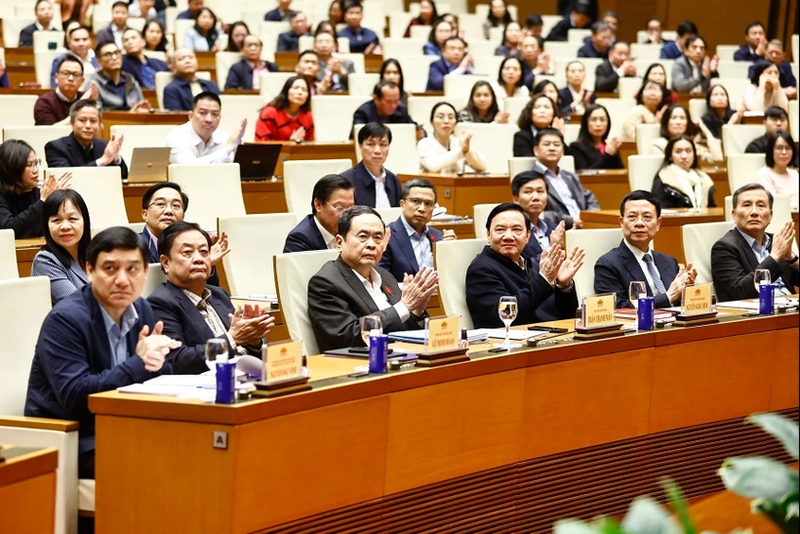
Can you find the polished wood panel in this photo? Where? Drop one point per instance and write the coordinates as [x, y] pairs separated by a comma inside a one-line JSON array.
[[786, 374], [126, 118], [726, 512], [26, 250], [460, 193], [28, 492]]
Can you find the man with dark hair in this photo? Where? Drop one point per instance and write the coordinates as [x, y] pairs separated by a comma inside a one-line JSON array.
[[307, 66], [179, 94], [755, 45], [136, 63], [374, 185], [194, 311], [119, 23], [411, 245], [353, 286], [566, 196], [331, 196], [99, 338], [533, 25], [599, 42], [44, 17], [674, 49], [82, 148], [529, 191], [775, 54], [199, 140], [693, 71], [79, 44], [501, 270], [246, 74], [578, 18], [362, 40], [117, 90], [53, 108], [618, 65], [332, 66], [742, 250], [194, 7], [775, 119], [280, 13], [455, 61], [290, 41], [534, 61], [385, 107], [634, 259]]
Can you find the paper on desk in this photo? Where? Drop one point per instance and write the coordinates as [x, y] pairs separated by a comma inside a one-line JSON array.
[[258, 296], [753, 304]]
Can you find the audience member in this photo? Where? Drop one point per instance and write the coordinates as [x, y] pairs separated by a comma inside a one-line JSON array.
[[53, 108], [194, 8], [179, 93], [483, 106], [538, 114], [529, 191], [680, 183], [288, 116], [653, 30], [308, 68], [455, 61], [612, 19], [154, 38], [676, 122], [290, 41], [575, 98], [43, 9], [718, 111], [776, 176], [599, 42], [385, 107], [119, 23], [427, 16], [79, 43], [534, 25], [776, 55], [512, 34], [246, 74], [145, 9], [392, 71], [618, 65], [651, 103], [692, 72], [657, 73], [549, 89], [774, 119], [440, 32], [509, 80], [332, 195], [200, 141], [593, 149], [332, 67], [163, 204], [117, 90], [362, 40], [534, 61], [374, 185], [578, 18], [336, 12], [755, 45], [498, 16], [280, 13], [236, 34], [765, 88], [136, 63], [675, 49], [203, 36], [450, 18], [444, 152]]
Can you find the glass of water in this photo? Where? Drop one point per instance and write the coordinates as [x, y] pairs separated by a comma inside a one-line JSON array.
[[635, 291], [761, 276], [507, 311], [215, 347], [371, 325]]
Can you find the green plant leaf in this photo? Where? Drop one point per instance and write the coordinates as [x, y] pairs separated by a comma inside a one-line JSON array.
[[574, 526], [608, 526], [758, 477], [786, 431], [646, 516], [792, 510], [675, 496]]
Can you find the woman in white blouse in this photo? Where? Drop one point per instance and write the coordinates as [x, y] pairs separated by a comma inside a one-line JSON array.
[[443, 151], [510, 80], [680, 183], [765, 88], [776, 176]]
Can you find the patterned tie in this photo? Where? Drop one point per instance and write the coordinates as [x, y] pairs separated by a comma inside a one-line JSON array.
[[651, 268]]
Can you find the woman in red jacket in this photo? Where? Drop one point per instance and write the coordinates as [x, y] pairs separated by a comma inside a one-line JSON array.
[[288, 116]]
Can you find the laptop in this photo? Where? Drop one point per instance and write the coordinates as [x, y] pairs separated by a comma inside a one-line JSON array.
[[257, 161], [148, 165]]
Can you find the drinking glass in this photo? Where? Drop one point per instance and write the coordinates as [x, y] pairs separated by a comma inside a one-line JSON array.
[[371, 325], [636, 290], [215, 347], [507, 310], [761, 276]]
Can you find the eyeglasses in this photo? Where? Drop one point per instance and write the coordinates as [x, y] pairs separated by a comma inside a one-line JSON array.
[[34, 164], [416, 202], [69, 75], [783, 149], [160, 205], [111, 55]]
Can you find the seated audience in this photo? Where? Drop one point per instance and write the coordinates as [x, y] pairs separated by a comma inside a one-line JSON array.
[[549, 89], [236, 34], [755, 45], [512, 34], [179, 93], [653, 30], [385, 107], [280, 13], [675, 49], [509, 80], [193, 10], [593, 149], [145, 9], [411, 245], [529, 191], [774, 119], [53, 108], [362, 40], [427, 16], [765, 88], [82, 148], [575, 98], [66, 227], [534, 25], [455, 61], [440, 32], [375, 186], [483, 106], [290, 41], [333, 68], [155, 39], [308, 68], [392, 71], [497, 17], [599, 42], [692, 72], [449, 17], [538, 114], [288, 116], [97, 339], [79, 43], [742, 250], [353, 286], [43, 9], [246, 74], [676, 122], [136, 63], [651, 103], [680, 183], [21, 199], [332, 195], [657, 73], [200, 141], [119, 23], [443, 151], [203, 36], [336, 12], [776, 176], [566, 196], [618, 65], [117, 90], [776, 55], [578, 18], [534, 61], [718, 111], [501, 270]]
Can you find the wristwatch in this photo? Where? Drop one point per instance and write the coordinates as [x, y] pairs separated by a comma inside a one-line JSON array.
[[791, 261]]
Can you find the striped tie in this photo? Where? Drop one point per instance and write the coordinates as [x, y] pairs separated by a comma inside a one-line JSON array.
[[651, 268]]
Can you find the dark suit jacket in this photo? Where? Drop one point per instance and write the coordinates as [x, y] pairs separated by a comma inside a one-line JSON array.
[[73, 360], [615, 270], [289, 41], [523, 144], [744, 54], [588, 157], [606, 78], [491, 276], [337, 300], [588, 50], [368, 112], [105, 35], [533, 250], [399, 256], [133, 66], [364, 185], [672, 197], [436, 74], [178, 94], [556, 211], [305, 237], [566, 99], [241, 75], [733, 264], [670, 50], [68, 152], [275, 15], [213, 280], [26, 35], [559, 31]]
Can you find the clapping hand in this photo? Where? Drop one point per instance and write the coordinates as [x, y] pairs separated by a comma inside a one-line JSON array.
[[92, 93], [141, 107], [236, 136], [558, 235], [298, 135], [560, 125], [501, 117], [111, 153], [417, 289], [782, 242], [219, 249], [464, 141], [249, 325], [153, 348], [52, 183], [550, 262], [684, 278], [570, 266], [449, 235], [612, 145]]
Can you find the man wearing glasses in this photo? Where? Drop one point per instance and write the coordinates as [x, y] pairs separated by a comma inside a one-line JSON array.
[[53, 108], [331, 196], [375, 186], [118, 90]]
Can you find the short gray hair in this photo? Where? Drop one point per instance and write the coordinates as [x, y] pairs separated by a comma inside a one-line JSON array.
[[80, 104]]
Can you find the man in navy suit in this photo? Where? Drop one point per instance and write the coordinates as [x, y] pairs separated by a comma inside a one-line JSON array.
[[375, 186], [455, 62], [81, 148], [578, 18], [411, 245], [529, 190], [44, 17], [635, 260], [755, 45], [385, 107], [193, 311], [599, 42], [247, 72], [675, 49], [136, 63], [179, 93], [280, 13], [775, 54], [290, 41], [331, 196], [99, 338]]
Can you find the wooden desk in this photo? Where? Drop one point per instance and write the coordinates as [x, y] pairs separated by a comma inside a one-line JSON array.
[[126, 118], [28, 489], [670, 237], [26, 250], [311, 150], [522, 438]]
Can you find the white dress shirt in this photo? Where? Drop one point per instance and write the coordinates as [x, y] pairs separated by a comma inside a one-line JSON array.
[[373, 287], [639, 255], [188, 147], [381, 198], [329, 238], [420, 244], [557, 181]]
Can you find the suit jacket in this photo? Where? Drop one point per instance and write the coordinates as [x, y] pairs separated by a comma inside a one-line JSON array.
[[399, 256], [63, 280], [523, 144], [26, 35], [665, 188], [533, 250], [213, 280], [133, 66], [566, 99], [559, 31], [68, 152], [588, 157], [744, 54], [606, 78], [616, 269], [684, 80], [364, 185], [337, 300], [241, 75], [73, 360], [436, 74], [670, 50], [275, 15], [289, 41], [491, 276], [178, 94], [733, 264], [368, 112], [588, 50], [183, 321], [556, 211], [305, 237], [105, 35]]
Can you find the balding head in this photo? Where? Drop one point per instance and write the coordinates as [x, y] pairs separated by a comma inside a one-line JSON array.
[[184, 63]]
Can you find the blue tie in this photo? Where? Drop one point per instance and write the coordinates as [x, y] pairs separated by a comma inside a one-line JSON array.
[[651, 268]]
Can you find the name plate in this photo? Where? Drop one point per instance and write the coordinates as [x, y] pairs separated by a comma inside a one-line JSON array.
[[696, 300], [284, 362], [442, 333], [598, 311]]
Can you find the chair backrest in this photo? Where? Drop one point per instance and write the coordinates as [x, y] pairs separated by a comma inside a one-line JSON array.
[[618, 110], [793, 118], [101, 189], [135, 226], [628, 87], [548, 21], [155, 277], [300, 176], [37, 136], [726, 52], [733, 69], [742, 169], [333, 116], [795, 48], [393, 46], [403, 152], [8, 256], [292, 273], [736, 137], [249, 264], [43, 66], [494, 141], [697, 108], [461, 86], [214, 191], [645, 52], [645, 135], [163, 79], [514, 106], [571, 133], [697, 242], [362, 84], [562, 49], [181, 27], [642, 171], [520, 164], [17, 110], [415, 71], [486, 64], [595, 242], [47, 41], [223, 62], [452, 259], [420, 107], [272, 83], [480, 214], [11, 28], [359, 64], [576, 36], [781, 212], [398, 22], [238, 107], [138, 136], [389, 214]]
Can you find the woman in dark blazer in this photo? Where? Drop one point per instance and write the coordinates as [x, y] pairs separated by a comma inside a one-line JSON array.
[[593, 149], [541, 112]]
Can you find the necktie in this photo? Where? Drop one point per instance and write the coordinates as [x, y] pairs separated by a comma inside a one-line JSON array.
[[651, 268]]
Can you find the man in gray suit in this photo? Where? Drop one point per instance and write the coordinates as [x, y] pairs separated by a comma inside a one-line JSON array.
[[692, 72], [331, 66]]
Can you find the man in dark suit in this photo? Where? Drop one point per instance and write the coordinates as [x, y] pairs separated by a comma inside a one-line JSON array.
[[290, 41], [455, 61], [635, 260], [674, 49], [136, 63], [194, 7], [119, 23], [353, 286], [501, 270], [331, 196], [44, 17], [599, 42], [775, 119], [693, 71], [755, 45], [99, 338], [411, 245], [280, 13], [618, 65], [738, 253], [579, 17], [81, 148], [244, 73], [375, 186], [529, 191], [178, 94], [566, 197], [385, 107], [193, 311]]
